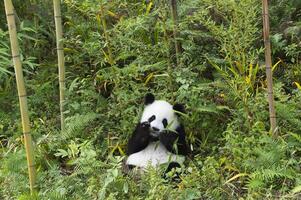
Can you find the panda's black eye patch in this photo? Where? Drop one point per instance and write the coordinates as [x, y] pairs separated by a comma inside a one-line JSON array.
[[165, 123], [152, 118]]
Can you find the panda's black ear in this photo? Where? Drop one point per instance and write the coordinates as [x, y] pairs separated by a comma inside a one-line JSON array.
[[149, 98], [179, 107]]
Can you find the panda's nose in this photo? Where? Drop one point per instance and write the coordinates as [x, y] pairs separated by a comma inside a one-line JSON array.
[[155, 129]]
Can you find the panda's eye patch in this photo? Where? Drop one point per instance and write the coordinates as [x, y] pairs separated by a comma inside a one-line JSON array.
[[164, 121], [152, 118]]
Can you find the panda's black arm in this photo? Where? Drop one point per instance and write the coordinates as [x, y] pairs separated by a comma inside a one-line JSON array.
[[140, 138], [175, 142]]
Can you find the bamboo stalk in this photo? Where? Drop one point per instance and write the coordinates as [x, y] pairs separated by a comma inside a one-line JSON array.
[[60, 56], [268, 62], [174, 12], [168, 56], [21, 92]]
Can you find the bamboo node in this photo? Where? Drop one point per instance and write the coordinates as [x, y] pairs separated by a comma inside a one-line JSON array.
[[26, 133], [32, 165], [267, 41], [58, 16], [10, 14], [22, 95], [15, 56]]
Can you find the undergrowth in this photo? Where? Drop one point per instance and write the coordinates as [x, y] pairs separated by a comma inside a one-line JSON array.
[[219, 77]]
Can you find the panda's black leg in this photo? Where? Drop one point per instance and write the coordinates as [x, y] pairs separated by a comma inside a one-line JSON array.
[[131, 167], [175, 142], [139, 139], [171, 166]]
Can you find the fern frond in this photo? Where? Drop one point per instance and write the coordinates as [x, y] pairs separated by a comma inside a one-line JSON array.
[[260, 177], [272, 173], [76, 124]]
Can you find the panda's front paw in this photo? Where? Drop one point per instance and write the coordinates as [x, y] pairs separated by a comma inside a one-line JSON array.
[[167, 137], [145, 125]]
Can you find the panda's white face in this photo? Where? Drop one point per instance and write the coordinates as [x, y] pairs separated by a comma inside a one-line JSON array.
[[161, 116]]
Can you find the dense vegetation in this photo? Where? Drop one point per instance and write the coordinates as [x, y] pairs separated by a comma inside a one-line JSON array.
[[115, 52]]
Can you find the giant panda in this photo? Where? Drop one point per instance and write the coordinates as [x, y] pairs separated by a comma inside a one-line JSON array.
[[159, 137]]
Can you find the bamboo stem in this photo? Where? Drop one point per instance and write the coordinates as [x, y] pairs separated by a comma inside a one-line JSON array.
[[168, 56], [174, 11], [268, 62], [60, 56], [21, 92]]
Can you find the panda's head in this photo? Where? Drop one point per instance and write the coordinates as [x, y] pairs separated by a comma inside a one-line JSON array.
[[160, 115]]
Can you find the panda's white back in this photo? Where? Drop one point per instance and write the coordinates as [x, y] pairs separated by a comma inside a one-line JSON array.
[[154, 154]]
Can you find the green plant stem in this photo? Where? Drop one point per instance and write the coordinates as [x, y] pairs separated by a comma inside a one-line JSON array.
[[105, 31], [174, 12]]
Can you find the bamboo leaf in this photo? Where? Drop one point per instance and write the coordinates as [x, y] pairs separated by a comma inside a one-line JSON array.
[[149, 7], [298, 85], [148, 78], [296, 189], [277, 63], [235, 177]]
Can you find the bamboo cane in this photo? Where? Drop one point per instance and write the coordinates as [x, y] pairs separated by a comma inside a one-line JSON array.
[[268, 62], [174, 12], [60, 56], [21, 92], [169, 65]]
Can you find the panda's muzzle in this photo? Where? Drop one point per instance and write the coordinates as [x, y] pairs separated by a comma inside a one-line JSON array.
[[155, 129], [154, 132]]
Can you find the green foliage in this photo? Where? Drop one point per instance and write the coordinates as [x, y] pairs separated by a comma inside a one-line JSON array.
[[6, 66], [115, 52]]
